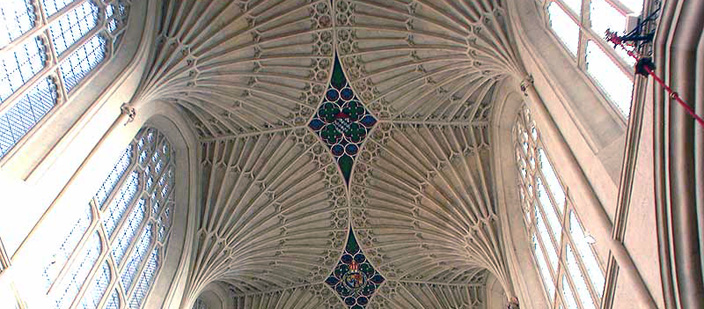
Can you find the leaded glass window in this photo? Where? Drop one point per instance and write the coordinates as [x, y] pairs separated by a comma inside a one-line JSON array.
[[581, 25], [78, 34], [199, 304], [116, 241], [567, 264]]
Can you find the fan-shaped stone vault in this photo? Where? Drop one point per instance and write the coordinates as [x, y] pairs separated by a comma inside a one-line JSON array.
[[278, 203]]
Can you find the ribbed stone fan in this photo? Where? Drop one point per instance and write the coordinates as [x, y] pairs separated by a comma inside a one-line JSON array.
[[319, 117]]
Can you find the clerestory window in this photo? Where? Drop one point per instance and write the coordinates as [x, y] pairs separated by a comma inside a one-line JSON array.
[[567, 263], [46, 50], [110, 252], [581, 25]]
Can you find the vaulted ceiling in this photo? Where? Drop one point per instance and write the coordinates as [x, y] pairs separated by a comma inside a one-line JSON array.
[[276, 206]]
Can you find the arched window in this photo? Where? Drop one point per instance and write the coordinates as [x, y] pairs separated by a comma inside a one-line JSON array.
[[580, 25], [199, 304], [567, 263], [46, 51], [112, 250]]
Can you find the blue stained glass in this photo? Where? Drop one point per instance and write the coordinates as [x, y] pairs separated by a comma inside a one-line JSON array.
[[97, 288], [64, 293], [70, 241], [342, 121], [113, 300], [354, 279], [164, 223], [16, 18], [20, 65], [115, 175], [128, 232], [119, 204], [145, 280], [138, 253], [16, 121], [53, 6], [72, 26], [82, 61]]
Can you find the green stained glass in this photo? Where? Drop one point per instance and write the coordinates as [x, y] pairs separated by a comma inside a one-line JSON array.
[[354, 279], [342, 121], [338, 78]]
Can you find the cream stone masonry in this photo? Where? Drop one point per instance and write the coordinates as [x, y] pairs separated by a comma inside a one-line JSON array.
[[262, 209]]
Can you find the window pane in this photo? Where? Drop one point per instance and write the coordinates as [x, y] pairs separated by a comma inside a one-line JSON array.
[[604, 16], [567, 294], [16, 17], [636, 6], [82, 61], [97, 288], [53, 6], [16, 121], [128, 232], [73, 26], [585, 252], [136, 257], [199, 304], [119, 204], [553, 220], [551, 179], [17, 67], [543, 268], [64, 293], [145, 281], [113, 300], [580, 284], [545, 239], [115, 175], [164, 224], [71, 238], [617, 85], [574, 5], [565, 28]]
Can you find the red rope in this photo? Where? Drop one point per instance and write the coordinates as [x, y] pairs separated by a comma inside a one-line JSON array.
[[613, 38]]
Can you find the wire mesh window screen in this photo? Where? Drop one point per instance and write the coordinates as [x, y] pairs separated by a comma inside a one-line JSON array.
[[117, 240], [81, 35], [567, 264]]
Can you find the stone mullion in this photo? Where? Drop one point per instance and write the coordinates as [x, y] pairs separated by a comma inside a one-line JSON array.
[[145, 259], [580, 262], [95, 222], [104, 254], [584, 23], [112, 284]]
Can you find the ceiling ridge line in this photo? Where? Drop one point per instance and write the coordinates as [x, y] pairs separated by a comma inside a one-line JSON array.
[[461, 285], [468, 123], [250, 134], [280, 289]]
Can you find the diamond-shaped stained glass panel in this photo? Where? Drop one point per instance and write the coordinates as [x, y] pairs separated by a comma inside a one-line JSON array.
[[342, 121], [354, 279]]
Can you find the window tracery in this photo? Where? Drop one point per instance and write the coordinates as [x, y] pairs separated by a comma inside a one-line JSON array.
[[567, 264], [115, 243], [580, 25], [38, 68]]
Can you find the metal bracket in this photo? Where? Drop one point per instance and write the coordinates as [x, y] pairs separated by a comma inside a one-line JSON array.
[[127, 109]]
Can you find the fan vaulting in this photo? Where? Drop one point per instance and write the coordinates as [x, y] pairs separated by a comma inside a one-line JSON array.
[[321, 121]]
